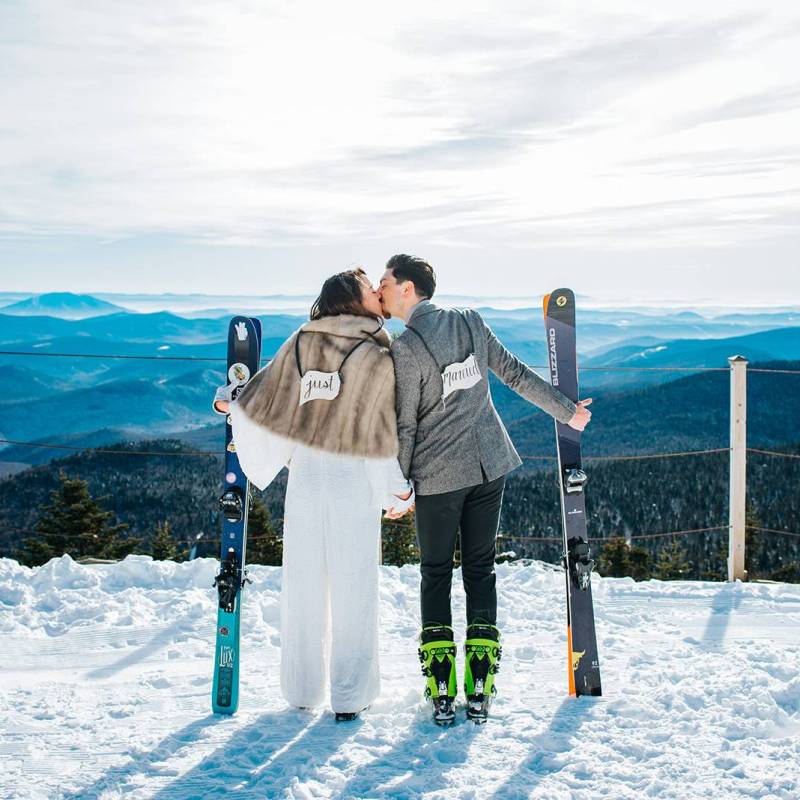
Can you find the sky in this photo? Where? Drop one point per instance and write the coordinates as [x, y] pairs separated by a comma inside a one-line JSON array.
[[635, 152]]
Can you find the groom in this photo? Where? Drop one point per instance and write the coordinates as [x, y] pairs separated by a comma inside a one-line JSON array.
[[457, 452]]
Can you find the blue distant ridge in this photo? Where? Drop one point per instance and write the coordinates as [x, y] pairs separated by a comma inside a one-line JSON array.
[[64, 305]]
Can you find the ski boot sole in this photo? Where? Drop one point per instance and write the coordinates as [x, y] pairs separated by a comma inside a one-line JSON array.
[[478, 709], [444, 711], [349, 716]]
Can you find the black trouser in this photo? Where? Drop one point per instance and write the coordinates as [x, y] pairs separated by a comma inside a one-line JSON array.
[[474, 511]]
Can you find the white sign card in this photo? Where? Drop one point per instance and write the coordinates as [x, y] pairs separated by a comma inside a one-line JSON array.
[[461, 375], [316, 385]]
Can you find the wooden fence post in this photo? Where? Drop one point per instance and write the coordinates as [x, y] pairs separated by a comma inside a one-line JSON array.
[[738, 469]]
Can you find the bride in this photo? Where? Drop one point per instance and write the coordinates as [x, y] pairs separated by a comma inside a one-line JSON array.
[[325, 407]]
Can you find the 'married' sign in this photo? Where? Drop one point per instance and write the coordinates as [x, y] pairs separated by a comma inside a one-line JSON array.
[[461, 375]]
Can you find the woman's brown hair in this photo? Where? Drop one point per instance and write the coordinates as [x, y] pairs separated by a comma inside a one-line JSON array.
[[341, 294]]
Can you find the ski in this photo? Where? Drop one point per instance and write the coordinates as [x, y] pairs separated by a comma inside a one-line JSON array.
[[244, 351], [583, 666]]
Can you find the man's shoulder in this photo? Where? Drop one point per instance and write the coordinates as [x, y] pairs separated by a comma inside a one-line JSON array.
[[400, 342], [471, 314], [402, 349], [434, 315]]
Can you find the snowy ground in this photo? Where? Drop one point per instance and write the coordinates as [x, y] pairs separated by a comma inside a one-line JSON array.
[[106, 693]]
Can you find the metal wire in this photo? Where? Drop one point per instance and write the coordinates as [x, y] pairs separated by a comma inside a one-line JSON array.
[[771, 530], [640, 369], [221, 358], [675, 533], [654, 369], [615, 535], [204, 540], [504, 537], [639, 457], [48, 445], [99, 355], [211, 454], [658, 455], [772, 453]]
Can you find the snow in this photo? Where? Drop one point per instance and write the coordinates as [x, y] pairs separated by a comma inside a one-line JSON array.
[[107, 680]]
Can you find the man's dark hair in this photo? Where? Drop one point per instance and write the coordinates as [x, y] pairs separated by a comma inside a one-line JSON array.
[[419, 272], [341, 294]]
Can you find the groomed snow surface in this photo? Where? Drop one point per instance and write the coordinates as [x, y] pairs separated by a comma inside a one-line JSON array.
[[106, 685]]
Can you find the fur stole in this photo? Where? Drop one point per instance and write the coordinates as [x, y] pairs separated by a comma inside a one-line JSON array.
[[361, 421]]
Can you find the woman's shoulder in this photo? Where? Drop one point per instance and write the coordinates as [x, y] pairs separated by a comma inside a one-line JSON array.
[[347, 325], [380, 354]]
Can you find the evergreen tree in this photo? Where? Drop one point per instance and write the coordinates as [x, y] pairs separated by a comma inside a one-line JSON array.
[[672, 563], [399, 541], [264, 546], [620, 560], [717, 563], [788, 573], [641, 563], [752, 543], [614, 558], [163, 546], [73, 523]]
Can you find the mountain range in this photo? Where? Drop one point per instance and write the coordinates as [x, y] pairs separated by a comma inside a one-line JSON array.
[[65, 305], [88, 402]]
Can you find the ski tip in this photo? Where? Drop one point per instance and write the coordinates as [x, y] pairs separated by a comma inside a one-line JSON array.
[[563, 298], [545, 301]]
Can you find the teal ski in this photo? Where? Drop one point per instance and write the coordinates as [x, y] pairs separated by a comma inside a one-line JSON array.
[[244, 350]]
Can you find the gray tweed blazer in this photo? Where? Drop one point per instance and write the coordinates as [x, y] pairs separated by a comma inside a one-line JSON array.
[[461, 441]]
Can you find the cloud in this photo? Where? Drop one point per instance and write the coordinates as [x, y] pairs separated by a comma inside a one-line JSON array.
[[718, 161], [299, 126], [773, 101]]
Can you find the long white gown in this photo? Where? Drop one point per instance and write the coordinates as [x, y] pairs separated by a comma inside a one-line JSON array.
[[331, 538]]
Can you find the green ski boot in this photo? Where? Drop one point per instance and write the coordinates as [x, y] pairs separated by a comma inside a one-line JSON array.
[[482, 653], [437, 653]]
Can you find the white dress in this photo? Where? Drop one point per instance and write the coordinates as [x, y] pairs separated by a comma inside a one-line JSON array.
[[331, 540]]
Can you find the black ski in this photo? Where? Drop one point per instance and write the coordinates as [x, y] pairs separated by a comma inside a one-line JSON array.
[[583, 666], [244, 349]]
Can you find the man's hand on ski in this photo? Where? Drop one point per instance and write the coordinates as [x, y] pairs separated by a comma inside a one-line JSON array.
[[582, 416]]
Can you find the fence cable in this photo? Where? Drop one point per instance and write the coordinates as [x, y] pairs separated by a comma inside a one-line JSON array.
[[771, 530], [774, 371], [47, 445], [113, 356], [772, 453], [637, 457], [212, 454], [202, 540], [617, 535], [533, 366], [208, 453]]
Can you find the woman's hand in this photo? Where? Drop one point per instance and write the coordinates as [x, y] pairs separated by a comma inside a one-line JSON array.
[[392, 514], [223, 398]]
